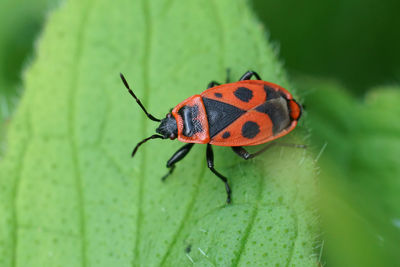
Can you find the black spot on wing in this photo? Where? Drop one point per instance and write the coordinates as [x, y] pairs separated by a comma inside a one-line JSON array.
[[244, 94], [278, 112], [220, 115], [271, 93], [250, 129], [226, 135], [219, 95]]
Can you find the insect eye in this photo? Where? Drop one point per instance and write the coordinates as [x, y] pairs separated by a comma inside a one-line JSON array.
[[168, 115], [172, 136]]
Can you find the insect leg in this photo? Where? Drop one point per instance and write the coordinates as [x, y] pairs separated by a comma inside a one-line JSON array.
[[212, 84], [243, 153], [210, 164], [249, 74], [177, 156], [228, 75]]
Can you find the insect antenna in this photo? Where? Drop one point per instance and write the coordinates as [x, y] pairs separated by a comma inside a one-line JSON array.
[[151, 117], [154, 136]]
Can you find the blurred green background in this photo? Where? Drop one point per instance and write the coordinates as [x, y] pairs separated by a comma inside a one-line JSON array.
[[20, 25], [343, 57], [353, 41]]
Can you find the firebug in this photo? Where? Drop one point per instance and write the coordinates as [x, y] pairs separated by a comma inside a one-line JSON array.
[[244, 113]]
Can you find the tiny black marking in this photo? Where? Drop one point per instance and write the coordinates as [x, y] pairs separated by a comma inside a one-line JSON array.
[[271, 93], [226, 135], [219, 95], [250, 129], [244, 94], [188, 249]]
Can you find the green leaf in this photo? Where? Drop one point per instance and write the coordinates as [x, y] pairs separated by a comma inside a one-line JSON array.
[[360, 170], [70, 194]]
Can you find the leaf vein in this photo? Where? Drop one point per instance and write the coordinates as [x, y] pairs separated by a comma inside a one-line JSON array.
[[146, 86], [186, 216], [19, 168], [249, 227], [72, 115]]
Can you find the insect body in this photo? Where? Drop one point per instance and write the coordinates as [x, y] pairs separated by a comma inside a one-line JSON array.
[[243, 113]]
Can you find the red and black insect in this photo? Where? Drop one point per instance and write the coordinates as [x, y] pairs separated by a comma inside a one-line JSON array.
[[243, 113]]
